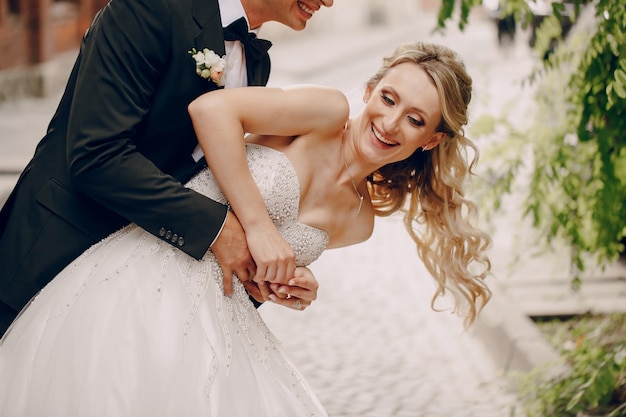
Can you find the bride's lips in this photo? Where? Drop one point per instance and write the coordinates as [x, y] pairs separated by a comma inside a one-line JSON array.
[[381, 138]]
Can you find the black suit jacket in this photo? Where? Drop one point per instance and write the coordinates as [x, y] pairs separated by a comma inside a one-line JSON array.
[[119, 145]]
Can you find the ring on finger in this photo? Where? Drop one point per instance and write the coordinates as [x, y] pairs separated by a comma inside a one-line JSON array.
[[298, 305]]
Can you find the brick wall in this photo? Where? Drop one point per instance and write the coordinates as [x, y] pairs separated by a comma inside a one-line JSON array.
[[13, 37], [33, 35]]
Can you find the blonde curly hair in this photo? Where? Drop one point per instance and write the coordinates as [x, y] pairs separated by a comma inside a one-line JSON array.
[[428, 186]]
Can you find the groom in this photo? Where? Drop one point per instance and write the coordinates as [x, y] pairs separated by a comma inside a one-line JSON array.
[[120, 144]]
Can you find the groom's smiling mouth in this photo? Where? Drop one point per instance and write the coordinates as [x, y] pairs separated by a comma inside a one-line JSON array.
[[305, 8]]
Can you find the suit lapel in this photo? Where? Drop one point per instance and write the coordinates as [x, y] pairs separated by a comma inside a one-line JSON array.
[[206, 13]]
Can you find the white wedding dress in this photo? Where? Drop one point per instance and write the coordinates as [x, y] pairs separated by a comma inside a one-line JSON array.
[[135, 327]]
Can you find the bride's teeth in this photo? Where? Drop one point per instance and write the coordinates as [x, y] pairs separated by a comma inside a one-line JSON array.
[[380, 138], [306, 9]]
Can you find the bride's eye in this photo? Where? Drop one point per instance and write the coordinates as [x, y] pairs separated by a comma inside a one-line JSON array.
[[387, 100], [416, 122]]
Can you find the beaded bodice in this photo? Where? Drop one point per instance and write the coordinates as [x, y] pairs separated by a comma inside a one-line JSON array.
[[279, 186]]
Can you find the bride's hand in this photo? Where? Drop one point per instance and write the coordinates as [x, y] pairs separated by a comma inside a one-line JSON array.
[[274, 258], [301, 291]]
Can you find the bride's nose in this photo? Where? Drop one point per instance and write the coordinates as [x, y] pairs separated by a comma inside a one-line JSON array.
[[391, 122], [327, 3]]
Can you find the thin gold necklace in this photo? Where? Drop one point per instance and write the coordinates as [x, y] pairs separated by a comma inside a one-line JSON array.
[[356, 190]]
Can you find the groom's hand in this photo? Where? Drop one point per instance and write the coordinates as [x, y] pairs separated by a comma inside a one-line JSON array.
[[260, 292], [231, 251]]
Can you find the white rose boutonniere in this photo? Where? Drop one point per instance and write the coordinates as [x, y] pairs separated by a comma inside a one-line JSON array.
[[209, 65]]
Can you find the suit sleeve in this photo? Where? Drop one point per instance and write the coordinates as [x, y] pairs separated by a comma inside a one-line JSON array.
[[123, 55]]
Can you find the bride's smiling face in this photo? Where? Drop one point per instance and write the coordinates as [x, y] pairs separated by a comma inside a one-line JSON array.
[[402, 114]]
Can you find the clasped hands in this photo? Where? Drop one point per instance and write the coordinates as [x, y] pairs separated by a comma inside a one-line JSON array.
[[273, 277]]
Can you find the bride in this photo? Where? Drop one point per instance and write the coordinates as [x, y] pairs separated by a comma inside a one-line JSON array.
[[135, 327]]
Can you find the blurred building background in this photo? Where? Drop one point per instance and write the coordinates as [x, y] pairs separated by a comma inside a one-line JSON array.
[[37, 38]]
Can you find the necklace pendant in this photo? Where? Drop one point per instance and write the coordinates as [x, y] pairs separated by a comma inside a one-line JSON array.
[[358, 210], [356, 189]]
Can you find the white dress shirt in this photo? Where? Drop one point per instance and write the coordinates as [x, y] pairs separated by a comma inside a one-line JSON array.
[[235, 74]]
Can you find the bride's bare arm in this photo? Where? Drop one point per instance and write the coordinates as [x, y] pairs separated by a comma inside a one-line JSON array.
[[221, 119]]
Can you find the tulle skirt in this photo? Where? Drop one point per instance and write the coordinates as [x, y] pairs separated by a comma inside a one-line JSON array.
[[135, 327]]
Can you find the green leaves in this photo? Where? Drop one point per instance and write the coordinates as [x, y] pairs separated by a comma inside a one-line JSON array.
[[594, 369], [576, 135], [619, 86], [449, 6]]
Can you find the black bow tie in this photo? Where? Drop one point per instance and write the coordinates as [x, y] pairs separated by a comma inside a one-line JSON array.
[[253, 47]]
